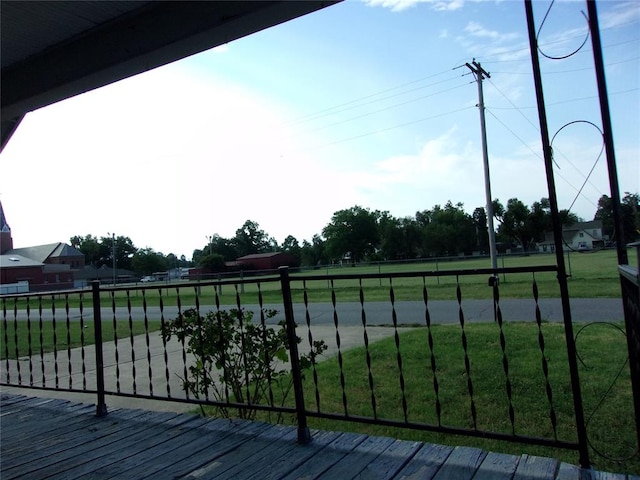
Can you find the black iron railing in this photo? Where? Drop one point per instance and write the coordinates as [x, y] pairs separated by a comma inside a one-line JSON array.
[[106, 341], [630, 284]]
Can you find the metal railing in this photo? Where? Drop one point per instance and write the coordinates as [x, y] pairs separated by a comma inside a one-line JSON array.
[[105, 341], [630, 285]]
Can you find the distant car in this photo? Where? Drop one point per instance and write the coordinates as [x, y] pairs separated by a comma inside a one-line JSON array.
[[148, 278]]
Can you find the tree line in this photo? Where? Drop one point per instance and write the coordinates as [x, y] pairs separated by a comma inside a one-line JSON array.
[[359, 234], [100, 251]]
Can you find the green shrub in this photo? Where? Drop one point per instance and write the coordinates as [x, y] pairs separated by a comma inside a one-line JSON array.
[[237, 360]]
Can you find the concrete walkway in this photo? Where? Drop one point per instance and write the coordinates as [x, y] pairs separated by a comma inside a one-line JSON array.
[[136, 368]]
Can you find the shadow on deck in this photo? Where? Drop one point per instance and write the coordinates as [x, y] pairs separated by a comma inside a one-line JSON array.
[[58, 439]]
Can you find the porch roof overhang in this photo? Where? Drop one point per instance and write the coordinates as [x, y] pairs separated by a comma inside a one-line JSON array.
[[55, 50]]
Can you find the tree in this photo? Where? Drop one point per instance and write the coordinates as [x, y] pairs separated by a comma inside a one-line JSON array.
[[391, 237], [400, 238], [251, 239], [448, 230], [212, 263], [124, 251], [629, 211], [631, 216], [147, 261], [513, 222], [352, 232], [222, 246], [313, 253], [527, 225], [291, 245], [99, 252], [197, 255], [94, 251], [171, 261], [482, 232]]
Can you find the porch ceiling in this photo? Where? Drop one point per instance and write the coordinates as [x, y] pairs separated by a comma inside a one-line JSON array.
[[54, 50]]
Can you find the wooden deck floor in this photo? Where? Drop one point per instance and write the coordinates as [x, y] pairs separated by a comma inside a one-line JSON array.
[[57, 439]]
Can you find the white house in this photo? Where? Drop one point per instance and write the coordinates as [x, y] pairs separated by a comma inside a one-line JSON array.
[[579, 236]]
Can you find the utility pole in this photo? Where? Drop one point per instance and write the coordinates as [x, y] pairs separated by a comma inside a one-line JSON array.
[[209, 239], [113, 256], [480, 73]]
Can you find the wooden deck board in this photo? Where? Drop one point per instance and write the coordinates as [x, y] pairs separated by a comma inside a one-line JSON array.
[[277, 468], [392, 460], [461, 464], [356, 462], [57, 439], [497, 466], [202, 452], [127, 446], [532, 467]]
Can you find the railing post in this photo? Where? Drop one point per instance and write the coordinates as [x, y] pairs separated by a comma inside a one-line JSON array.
[[101, 407], [581, 428], [630, 287], [304, 436]]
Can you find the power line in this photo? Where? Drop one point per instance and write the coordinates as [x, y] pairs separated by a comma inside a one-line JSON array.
[[526, 49], [537, 154], [555, 150], [334, 109], [537, 130], [557, 72], [572, 100], [413, 100], [374, 132]]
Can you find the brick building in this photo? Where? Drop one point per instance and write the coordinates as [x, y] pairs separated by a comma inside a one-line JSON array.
[[38, 268], [266, 261]]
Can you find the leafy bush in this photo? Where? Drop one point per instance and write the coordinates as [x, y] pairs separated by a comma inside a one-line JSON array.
[[235, 359]]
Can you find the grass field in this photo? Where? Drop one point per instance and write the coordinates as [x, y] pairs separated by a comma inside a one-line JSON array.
[[604, 378]]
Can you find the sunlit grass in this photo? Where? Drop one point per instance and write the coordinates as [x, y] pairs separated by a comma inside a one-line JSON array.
[[590, 275], [604, 378]]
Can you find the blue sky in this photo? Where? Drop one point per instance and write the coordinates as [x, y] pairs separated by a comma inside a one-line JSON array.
[[360, 103]]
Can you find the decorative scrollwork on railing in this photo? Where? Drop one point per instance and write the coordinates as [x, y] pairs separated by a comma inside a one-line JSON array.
[[602, 397], [561, 57]]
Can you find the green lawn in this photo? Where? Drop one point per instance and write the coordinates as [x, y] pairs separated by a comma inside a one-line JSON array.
[[604, 378], [591, 275]]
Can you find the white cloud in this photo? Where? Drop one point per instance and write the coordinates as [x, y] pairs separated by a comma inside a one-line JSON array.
[[442, 169], [400, 5], [622, 13], [477, 30]]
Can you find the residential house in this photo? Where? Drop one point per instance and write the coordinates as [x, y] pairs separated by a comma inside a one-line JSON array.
[[581, 236]]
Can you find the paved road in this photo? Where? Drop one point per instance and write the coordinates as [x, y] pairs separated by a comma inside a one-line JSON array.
[[408, 313]]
